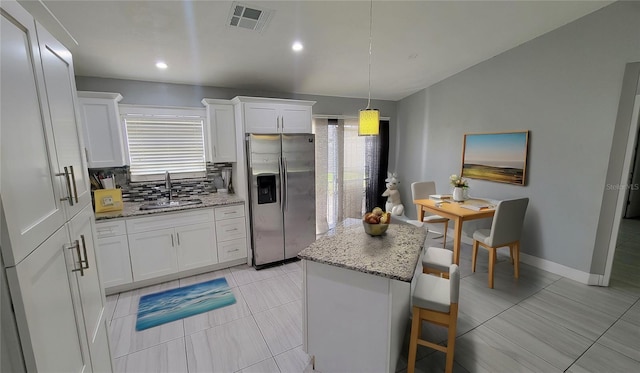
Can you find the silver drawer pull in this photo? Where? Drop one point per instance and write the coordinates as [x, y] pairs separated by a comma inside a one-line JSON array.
[[232, 251]]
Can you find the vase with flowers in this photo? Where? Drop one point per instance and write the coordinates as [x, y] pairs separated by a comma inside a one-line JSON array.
[[460, 188]]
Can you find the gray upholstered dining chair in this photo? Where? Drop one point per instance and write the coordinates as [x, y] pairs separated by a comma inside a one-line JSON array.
[[506, 229], [435, 300], [422, 190]]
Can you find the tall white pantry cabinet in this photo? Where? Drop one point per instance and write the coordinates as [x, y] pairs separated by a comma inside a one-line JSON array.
[[47, 224]]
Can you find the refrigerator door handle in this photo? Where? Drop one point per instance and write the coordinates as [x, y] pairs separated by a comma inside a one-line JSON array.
[[280, 169], [286, 183]]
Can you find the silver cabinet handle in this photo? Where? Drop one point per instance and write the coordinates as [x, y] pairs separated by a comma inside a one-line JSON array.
[[172, 245], [234, 250], [66, 176], [75, 186], [86, 257], [76, 245], [178, 235]]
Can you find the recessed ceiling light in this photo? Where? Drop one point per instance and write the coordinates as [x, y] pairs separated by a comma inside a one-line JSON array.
[[297, 46], [161, 65]]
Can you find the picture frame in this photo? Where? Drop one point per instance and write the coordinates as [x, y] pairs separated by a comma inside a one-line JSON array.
[[496, 156]]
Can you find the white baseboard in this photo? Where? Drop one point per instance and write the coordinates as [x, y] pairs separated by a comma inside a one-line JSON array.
[[549, 266], [561, 270]]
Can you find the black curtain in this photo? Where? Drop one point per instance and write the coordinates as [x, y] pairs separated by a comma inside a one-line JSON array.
[[377, 162]]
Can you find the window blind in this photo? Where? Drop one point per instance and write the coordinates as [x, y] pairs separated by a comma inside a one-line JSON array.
[[169, 144]]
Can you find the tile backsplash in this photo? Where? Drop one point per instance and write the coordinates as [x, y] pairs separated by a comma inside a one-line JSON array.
[[153, 190]]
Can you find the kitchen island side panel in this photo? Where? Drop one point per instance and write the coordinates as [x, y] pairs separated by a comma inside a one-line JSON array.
[[354, 321]]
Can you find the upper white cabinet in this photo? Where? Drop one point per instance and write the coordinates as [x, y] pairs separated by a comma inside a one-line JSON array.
[[102, 130], [270, 115], [59, 80], [221, 133], [31, 191]]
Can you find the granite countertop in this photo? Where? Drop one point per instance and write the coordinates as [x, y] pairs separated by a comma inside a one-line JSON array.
[[133, 208], [393, 255]]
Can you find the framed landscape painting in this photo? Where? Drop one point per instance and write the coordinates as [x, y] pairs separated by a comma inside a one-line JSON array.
[[500, 157]]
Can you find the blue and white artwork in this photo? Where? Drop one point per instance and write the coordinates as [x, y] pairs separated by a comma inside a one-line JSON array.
[[171, 305]]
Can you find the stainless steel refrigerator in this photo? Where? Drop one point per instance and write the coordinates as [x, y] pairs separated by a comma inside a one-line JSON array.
[[282, 195]]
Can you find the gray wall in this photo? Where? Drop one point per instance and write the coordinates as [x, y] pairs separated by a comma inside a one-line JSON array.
[[166, 94], [565, 88]]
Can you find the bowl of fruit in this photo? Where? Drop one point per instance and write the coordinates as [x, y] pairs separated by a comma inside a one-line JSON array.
[[376, 222]]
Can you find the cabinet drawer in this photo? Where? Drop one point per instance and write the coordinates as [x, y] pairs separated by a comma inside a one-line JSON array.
[[229, 212], [146, 224], [111, 228], [230, 229], [230, 250]]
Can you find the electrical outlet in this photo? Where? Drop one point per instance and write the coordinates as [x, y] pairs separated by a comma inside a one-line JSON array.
[[107, 201]]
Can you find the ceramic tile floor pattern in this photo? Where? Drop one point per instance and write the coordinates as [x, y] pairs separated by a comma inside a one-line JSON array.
[[539, 323]]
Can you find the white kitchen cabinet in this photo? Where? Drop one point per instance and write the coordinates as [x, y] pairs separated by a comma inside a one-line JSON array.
[[113, 253], [221, 131], [86, 276], [27, 154], [153, 254], [44, 309], [194, 246], [269, 115], [59, 79], [231, 233], [167, 244], [103, 136], [45, 199]]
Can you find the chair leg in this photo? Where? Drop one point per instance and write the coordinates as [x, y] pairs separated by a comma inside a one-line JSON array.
[[516, 259], [413, 340], [474, 255], [444, 240], [492, 262], [511, 253], [451, 340]]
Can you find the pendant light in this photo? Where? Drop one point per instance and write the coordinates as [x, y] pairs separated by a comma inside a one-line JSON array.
[[369, 123]]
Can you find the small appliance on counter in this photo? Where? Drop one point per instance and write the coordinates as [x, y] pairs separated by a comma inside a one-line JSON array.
[[108, 200]]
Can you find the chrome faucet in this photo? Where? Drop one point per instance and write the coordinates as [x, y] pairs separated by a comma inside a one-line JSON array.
[[167, 184]]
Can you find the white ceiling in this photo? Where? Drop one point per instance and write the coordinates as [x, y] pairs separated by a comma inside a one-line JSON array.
[[415, 43]]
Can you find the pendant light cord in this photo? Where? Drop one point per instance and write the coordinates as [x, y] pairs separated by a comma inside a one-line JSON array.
[[370, 44]]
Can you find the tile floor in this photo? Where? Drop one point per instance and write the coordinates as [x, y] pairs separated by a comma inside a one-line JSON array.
[[541, 322]]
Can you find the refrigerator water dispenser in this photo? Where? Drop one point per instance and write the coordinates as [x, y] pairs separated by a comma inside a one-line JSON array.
[[266, 189]]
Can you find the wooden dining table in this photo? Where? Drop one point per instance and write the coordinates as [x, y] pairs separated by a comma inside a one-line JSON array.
[[454, 211]]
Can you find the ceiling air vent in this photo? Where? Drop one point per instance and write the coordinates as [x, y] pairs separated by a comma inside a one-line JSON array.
[[249, 17]]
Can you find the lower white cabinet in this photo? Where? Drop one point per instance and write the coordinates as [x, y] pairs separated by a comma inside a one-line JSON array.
[[166, 244], [113, 253], [152, 246], [60, 303], [231, 233]]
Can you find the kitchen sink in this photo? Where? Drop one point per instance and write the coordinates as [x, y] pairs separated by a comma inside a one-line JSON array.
[[169, 204]]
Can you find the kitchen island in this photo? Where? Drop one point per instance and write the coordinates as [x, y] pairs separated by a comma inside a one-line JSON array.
[[357, 292]]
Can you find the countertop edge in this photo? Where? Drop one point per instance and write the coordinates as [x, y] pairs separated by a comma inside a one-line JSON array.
[[132, 209]]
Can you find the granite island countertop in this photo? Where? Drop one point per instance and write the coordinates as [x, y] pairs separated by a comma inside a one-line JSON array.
[[393, 255], [209, 200]]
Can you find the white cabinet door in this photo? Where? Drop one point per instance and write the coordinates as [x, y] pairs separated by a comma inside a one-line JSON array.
[[115, 265], [31, 195], [261, 118], [153, 254], [91, 293], [44, 309], [102, 131], [196, 246], [221, 131], [295, 119], [61, 94]]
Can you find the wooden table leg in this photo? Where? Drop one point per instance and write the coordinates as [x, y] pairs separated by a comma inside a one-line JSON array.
[[420, 213], [457, 238]]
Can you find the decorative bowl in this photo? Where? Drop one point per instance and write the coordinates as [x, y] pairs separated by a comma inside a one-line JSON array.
[[375, 229]]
